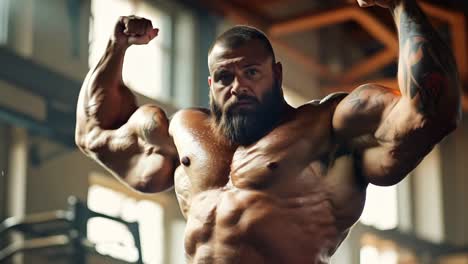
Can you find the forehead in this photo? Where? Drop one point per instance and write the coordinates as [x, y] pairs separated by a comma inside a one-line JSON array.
[[251, 52]]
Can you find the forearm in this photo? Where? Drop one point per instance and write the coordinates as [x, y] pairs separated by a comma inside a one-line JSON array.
[[427, 73], [107, 100]]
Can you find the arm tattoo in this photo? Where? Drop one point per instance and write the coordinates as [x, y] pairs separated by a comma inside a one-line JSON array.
[[427, 67], [368, 97]]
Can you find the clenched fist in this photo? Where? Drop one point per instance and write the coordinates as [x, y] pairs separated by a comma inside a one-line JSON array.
[[382, 3], [131, 30]]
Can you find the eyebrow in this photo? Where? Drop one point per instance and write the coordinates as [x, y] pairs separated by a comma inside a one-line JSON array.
[[251, 64], [220, 70], [225, 67]]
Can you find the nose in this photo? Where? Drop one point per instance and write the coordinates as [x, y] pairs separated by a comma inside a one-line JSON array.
[[239, 87]]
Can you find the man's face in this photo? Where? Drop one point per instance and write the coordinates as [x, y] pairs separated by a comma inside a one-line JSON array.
[[245, 91]]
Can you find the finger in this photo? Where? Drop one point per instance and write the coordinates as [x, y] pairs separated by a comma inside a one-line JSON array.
[[139, 40], [149, 25], [153, 33], [137, 26]]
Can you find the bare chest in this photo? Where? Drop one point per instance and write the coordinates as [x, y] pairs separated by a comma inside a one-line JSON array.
[[285, 153]]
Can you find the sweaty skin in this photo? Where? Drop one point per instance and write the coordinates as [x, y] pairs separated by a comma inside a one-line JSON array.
[[271, 202], [292, 195]]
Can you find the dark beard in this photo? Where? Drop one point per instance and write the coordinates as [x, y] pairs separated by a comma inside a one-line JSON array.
[[245, 127]]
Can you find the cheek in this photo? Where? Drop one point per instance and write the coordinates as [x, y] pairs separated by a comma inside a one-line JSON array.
[[218, 96], [263, 89]]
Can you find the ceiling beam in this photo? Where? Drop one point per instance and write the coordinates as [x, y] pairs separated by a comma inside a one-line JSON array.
[[38, 79], [44, 128], [59, 92], [336, 16], [456, 21], [311, 21], [340, 15], [235, 13], [368, 65], [309, 64]]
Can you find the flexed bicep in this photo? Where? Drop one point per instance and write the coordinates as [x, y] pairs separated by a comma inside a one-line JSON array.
[[141, 152], [380, 128], [363, 110], [391, 131]]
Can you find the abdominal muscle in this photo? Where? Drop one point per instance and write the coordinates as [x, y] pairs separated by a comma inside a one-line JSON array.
[[231, 225]]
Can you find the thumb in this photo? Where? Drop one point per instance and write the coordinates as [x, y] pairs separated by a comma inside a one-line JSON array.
[[153, 33]]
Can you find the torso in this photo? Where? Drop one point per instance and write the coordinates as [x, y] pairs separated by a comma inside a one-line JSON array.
[[276, 201]]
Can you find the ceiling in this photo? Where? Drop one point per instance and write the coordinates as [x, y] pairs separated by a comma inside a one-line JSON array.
[[336, 45]]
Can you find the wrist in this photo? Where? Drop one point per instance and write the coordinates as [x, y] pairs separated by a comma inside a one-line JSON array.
[[118, 46]]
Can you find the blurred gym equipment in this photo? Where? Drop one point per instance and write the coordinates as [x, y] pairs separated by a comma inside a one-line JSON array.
[[61, 229]]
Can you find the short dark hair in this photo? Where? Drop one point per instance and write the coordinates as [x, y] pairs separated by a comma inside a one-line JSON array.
[[239, 35]]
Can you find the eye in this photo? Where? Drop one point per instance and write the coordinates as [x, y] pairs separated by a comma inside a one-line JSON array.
[[224, 77], [251, 72]]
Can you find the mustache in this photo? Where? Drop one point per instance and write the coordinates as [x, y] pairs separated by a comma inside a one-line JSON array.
[[242, 99]]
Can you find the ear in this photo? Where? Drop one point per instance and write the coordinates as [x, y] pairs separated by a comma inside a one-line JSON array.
[[209, 81], [278, 70]]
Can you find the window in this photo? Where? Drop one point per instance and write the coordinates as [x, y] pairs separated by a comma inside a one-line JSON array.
[[146, 67], [113, 238], [377, 250], [381, 212], [381, 207], [371, 255], [4, 10]]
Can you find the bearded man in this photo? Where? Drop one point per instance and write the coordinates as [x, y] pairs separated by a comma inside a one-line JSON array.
[[252, 174]]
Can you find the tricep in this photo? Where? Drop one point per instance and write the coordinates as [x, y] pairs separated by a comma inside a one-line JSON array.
[[140, 152]]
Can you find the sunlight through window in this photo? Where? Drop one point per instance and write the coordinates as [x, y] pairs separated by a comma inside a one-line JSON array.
[[380, 210], [146, 67], [113, 238], [371, 255]]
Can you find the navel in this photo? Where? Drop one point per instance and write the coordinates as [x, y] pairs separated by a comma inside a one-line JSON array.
[[185, 161]]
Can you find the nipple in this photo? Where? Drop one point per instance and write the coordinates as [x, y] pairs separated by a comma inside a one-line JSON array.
[[185, 161], [272, 165]]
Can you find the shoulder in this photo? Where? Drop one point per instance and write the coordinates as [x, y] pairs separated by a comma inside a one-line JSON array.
[[333, 98], [328, 102], [187, 114], [189, 118], [329, 99], [149, 115]]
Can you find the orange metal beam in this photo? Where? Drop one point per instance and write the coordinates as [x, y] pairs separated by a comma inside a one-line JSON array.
[[236, 14], [331, 17], [311, 21], [367, 66], [369, 23], [303, 59]]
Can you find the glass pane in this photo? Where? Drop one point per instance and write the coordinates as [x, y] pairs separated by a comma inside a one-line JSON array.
[[113, 238], [146, 67], [369, 255], [380, 210], [4, 11]]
